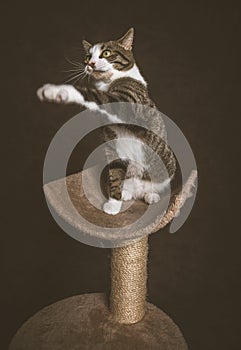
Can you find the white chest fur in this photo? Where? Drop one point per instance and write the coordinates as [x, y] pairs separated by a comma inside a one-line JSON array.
[[133, 73], [130, 148]]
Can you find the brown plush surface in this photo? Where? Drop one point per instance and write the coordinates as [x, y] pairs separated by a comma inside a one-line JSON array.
[[84, 322], [62, 202]]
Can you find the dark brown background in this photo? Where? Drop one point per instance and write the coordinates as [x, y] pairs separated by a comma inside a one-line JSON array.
[[188, 51]]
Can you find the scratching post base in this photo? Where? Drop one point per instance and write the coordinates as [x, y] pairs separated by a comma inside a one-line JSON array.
[[84, 323], [87, 322]]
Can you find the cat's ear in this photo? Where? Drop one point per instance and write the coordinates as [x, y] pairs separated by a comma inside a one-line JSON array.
[[86, 45], [127, 40]]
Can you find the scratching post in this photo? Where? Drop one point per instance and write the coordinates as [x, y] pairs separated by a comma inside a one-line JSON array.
[[89, 321], [128, 282]]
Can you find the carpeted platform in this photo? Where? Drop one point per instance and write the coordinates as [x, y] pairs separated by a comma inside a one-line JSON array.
[[68, 198], [84, 323]]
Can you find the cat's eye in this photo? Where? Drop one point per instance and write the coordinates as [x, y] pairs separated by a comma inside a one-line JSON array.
[[106, 53], [87, 58]]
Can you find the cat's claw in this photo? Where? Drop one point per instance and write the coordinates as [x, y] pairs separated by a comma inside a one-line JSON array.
[[151, 198], [112, 207]]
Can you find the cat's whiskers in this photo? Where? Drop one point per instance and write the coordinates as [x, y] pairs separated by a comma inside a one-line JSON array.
[[74, 73], [77, 72], [74, 77], [74, 63], [81, 78], [74, 70]]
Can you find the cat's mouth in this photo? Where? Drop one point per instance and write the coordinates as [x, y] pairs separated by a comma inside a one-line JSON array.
[[98, 74], [90, 69]]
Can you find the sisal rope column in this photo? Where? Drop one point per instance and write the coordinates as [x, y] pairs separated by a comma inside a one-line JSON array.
[[128, 282]]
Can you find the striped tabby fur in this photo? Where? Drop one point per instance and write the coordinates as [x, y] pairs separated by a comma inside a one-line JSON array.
[[115, 77]]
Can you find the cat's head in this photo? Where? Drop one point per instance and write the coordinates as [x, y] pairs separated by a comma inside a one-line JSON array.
[[103, 59]]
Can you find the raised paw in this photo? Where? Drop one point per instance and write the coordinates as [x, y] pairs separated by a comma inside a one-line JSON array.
[[55, 93], [112, 207], [151, 198]]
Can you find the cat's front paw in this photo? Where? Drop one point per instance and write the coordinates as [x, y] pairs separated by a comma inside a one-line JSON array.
[[151, 198], [54, 93], [112, 207]]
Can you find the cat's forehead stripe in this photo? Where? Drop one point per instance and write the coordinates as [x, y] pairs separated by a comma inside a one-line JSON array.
[[95, 50], [98, 48]]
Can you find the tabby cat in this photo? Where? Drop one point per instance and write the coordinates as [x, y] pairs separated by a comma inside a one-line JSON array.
[[115, 77]]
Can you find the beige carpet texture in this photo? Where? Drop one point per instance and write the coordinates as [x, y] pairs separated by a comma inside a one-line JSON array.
[[84, 323], [64, 193]]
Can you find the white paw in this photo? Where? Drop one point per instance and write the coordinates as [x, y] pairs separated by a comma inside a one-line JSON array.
[[126, 195], [55, 93], [112, 207], [151, 198]]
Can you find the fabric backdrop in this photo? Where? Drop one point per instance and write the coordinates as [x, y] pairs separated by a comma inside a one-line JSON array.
[[189, 54]]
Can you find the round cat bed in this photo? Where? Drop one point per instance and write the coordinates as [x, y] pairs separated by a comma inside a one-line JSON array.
[[84, 322]]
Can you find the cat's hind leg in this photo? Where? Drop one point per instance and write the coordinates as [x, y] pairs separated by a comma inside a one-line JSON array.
[[150, 192], [153, 190], [134, 174], [114, 203]]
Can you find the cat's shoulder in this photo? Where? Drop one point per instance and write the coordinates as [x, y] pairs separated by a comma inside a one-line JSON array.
[[128, 83]]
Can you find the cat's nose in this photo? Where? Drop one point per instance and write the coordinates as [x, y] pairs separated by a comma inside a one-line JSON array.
[[92, 64]]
